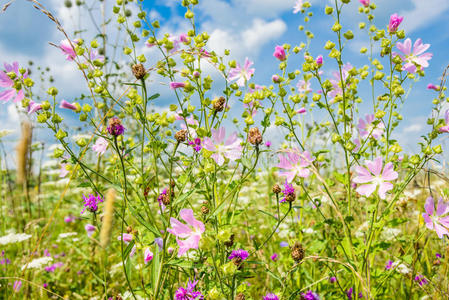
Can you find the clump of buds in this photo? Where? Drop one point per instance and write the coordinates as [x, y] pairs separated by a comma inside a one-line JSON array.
[[219, 104], [139, 71], [204, 208], [254, 136], [181, 135], [297, 252], [276, 189], [129, 229]]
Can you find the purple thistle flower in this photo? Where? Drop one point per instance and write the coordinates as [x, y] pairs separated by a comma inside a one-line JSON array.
[[270, 296], [438, 255], [239, 254], [421, 280], [91, 203], [274, 257], [268, 144], [288, 190], [115, 127], [333, 279], [349, 293], [188, 293], [389, 265]]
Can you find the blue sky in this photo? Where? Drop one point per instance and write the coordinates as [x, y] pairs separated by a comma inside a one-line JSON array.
[[250, 28]]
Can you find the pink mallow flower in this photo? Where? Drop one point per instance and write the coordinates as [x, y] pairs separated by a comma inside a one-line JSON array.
[[431, 86], [100, 146], [435, 219], [67, 105], [374, 177], [445, 128], [67, 48], [242, 75], [187, 235], [298, 6], [147, 256], [126, 238], [176, 85], [337, 80], [221, 147], [364, 2], [414, 58], [295, 164], [395, 21], [279, 53], [366, 127], [303, 86], [33, 107], [8, 83]]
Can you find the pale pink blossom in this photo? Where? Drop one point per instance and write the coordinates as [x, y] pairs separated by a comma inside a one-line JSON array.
[[301, 111], [187, 235], [242, 75], [375, 177], [177, 85], [414, 58], [279, 53], [445, 128], [364, 2], [90, 229], [294, 164], [435, 219], [63, 170], [147, 256], [223, 147], [303, 86], [94, 55], [100, 146], [127, 237], [298, 6], [67, 48], [395, 21], [366, 127], [33, 107], [337, 80]]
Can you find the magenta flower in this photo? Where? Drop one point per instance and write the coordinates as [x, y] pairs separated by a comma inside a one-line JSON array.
[[177, 85], [395, 21], [298, 6], [366, 127], [310, 296], [445, 128], [274, 257], [67, 48], [223, 148], [319, 60], [91, 203], [288, 190], [100, 146], [268, 144], [374, 177], [434, 219], [364, 2], [90, 229], [389, 265], [239, 254], [337, 80], [242, 75], [147, 256], [333, 279], [115, 127], [33, 107], [67, 105], [279, 53], [187, 235], [421, 280], [303, 86], [69, 219], [301, 111], [270, 296], [431, 86], [295, 164], [17, 285], [127, 238], [275, 78], [188, 293], [415, 58], [6, 82]]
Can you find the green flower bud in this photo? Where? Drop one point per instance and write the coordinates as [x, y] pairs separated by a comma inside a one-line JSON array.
[[328, 10], [61, 134], [348, 35], [52, 91]]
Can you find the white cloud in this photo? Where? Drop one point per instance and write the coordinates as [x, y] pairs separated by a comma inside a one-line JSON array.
[[424, 13], [414, 128]]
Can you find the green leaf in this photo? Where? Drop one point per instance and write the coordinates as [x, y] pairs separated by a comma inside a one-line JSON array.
[[154, 96]]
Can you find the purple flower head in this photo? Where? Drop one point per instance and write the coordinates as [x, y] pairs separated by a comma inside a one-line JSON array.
[[5, 261], [349, 293], [283, 244], [375, 176], [242, 75], [91, 203], [319, 60], [288, 191], [177, 85], [53, 267], [17, 285], [310, 296], [438, 219], [438, 255], [395, 21], [421, 280], [115, 127], [270, 296], [431, 86], [274, 257], [239, 254], [445, 128], [45, 285], [389, 265], [268, 144], [279, 53], [413, 58], [189, 293], [69, 219], [90, 229], [159, 242], [367, 128], [333, 279]]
